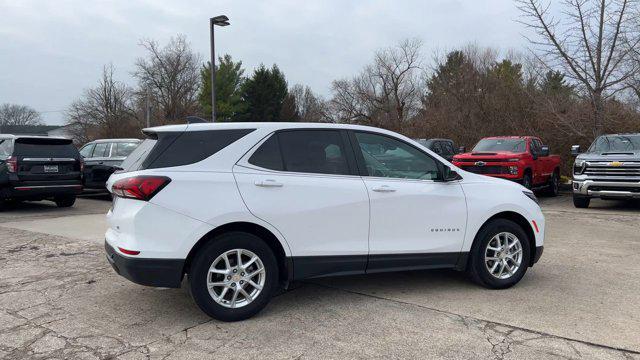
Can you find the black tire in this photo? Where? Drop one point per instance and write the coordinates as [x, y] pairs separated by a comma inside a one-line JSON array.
[[581, 202], [526, 180], [554, 184], [199, 271], [65, 201], [477, 268]]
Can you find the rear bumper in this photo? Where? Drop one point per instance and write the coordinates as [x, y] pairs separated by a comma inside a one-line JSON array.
[[26, 190], [148, 272], [607, 189]]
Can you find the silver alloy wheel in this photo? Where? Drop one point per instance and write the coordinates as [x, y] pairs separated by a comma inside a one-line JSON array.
[[236, 278], [503, 255]]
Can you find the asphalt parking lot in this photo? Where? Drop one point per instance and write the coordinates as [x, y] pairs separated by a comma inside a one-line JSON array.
[[59, 298]]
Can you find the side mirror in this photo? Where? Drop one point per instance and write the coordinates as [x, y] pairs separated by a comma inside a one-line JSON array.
[[544, 150], [462, 149], [575, 150], [450, 175]]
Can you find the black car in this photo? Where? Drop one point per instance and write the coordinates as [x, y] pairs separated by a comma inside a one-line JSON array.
[[102, 158], [39, 168], [442, 147]]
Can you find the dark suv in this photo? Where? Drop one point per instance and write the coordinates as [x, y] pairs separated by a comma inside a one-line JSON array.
[[39, 168], [102, 158], [442, 147]]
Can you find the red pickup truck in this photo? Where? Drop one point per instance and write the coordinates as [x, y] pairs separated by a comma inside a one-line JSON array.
[[519, 158]]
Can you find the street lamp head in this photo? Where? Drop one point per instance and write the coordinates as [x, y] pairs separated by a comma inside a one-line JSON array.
[[220, 20]]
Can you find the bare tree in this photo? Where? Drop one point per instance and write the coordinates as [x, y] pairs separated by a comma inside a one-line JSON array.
[[14, 114], [387, 92], [103, 111], [593, 46], [309, 106], [171, 74]]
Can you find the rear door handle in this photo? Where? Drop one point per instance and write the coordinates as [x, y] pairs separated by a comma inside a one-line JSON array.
[[268, 183], [384, 189]]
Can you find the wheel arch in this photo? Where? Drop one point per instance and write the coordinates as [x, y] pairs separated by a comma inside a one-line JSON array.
[[285, 266], [518, 219]]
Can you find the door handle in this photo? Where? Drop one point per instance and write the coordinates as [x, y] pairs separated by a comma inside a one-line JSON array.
[[268, 183], [384, 189]]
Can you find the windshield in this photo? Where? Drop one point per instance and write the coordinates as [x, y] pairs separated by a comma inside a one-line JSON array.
[[511, 145], [610, 143]]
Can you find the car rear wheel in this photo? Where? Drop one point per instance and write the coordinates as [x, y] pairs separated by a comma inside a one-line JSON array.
[[581, 202], [234, 276], [500, 255], [65, 201]]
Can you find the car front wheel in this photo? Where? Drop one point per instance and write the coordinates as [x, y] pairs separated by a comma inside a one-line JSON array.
[[234, 276], [581, 202], [500, 255]]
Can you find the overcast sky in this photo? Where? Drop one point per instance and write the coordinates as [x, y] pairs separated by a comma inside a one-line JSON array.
[[51, 50]]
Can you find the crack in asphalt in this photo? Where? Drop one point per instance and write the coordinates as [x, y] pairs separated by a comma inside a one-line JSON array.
[[463, 319]]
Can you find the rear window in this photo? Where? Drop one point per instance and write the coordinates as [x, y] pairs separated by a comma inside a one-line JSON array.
[[138, 155], [170, 149], [39, 147]]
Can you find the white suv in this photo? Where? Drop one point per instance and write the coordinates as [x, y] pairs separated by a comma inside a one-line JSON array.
[[245, 208]]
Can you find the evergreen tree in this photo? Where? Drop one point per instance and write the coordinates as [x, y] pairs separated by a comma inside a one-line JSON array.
[[264, 94], [229, 79]]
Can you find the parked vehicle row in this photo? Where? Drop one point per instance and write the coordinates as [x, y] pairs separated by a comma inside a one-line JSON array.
[[242, 209]]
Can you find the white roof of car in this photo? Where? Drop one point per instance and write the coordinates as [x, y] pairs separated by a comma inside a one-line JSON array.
[[256, 125], [115, 140]]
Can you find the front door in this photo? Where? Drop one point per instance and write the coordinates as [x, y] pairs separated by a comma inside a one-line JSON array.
[[417, 221], [304, 183]]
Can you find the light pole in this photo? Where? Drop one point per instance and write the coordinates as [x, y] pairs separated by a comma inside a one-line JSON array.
[[220, 20]]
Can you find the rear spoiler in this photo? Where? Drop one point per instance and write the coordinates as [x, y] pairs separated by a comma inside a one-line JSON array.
[[150, 133]]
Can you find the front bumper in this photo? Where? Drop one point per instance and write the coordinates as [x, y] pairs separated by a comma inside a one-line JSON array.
[[606, 189], [148, 272]]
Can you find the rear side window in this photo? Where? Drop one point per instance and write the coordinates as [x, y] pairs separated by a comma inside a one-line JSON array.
[[167, 149], [313, 151], [42, 147], [123, 149], [5, 147], [101, 150], [268, 155], [87, 150]]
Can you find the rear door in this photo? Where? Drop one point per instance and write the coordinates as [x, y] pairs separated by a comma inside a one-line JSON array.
[[304, 183], [46, 160]]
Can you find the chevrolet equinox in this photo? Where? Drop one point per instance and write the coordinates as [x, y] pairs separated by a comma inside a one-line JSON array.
[[242, 209]]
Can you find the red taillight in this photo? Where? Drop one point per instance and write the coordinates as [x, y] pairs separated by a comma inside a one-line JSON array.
[[12, 164], [128, 252], [139, 187]]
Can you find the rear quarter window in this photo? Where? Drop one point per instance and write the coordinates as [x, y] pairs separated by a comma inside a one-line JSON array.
[[169, 149]]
